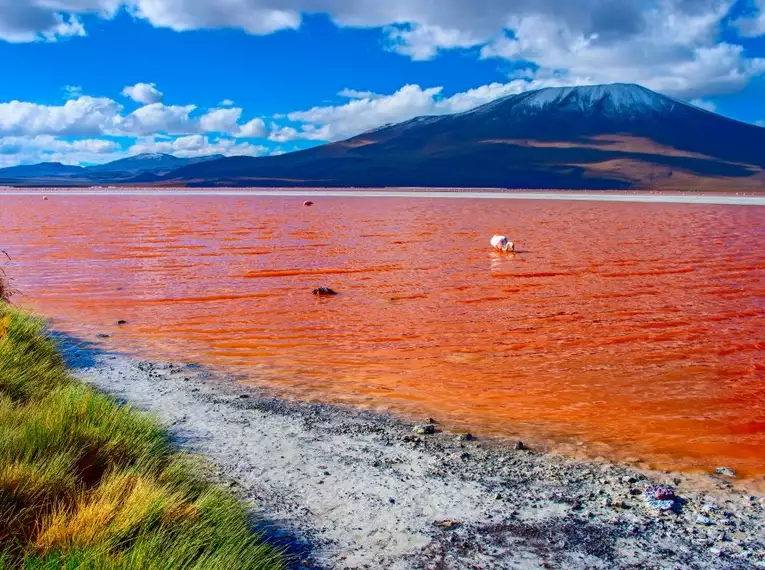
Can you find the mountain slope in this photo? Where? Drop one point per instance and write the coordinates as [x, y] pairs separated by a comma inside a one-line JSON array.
[[152, 165], [608, 136], [44, 169], [148, 162]]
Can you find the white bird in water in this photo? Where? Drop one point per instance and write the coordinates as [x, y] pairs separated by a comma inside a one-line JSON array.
[[501, 243]]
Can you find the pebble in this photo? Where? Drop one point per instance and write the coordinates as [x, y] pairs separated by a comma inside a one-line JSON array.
[[465, 437], [520, 446], [725, 472], [706, 521], [424, 429]]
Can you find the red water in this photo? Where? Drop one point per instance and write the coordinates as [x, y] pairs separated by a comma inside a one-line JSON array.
[[630, 330]]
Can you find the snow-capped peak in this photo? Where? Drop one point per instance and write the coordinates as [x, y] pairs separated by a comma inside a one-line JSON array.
[[620, 99], [150, 156]]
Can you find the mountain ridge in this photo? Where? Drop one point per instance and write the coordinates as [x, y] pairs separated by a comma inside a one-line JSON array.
[[614, 136]]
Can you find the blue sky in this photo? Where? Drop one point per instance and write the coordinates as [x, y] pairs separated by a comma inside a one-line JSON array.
[[88, 81]]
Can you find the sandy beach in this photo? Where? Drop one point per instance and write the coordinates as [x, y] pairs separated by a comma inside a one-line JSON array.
[[346, 488]]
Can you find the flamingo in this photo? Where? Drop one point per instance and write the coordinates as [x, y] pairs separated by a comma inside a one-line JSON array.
[[501, 243]]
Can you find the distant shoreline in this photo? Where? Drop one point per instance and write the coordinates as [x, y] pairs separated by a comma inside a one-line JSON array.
[[633, 196]]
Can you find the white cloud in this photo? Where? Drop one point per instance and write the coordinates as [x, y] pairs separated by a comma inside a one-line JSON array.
[[72, 91], [704, 104], [83, 116], [253, 16], [197, 145], [256, 128], [221, 121], [678, 53], [354, 94], [46, 148], [753, 25], [226, 103], [669, 45], [145, 93], [422, 42], [283, 134], [157, 117]]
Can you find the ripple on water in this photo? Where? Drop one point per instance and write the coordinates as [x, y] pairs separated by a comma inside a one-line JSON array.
[[638, 328]]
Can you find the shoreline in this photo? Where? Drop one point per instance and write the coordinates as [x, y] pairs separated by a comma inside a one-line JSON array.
[[360, 490], [630, 196]]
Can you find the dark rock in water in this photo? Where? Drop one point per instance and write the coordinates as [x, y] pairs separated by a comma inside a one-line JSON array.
[[121, 322], [520, 446], [427, 429], [324, 292], [725, 472], [103, 335]]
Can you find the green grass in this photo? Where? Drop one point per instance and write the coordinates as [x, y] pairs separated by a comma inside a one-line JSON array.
[[88, 484]]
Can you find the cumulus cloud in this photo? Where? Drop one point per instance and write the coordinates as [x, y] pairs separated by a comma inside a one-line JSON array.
[[256, 128], [32, 132], [46, 148], [753, 24], [221, 120], [675, 55], [670, 45], [160, 118], [83, 116], [197, 145], [145, 93], [422, 42]]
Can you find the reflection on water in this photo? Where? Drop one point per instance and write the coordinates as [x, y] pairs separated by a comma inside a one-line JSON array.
[[634, 328]]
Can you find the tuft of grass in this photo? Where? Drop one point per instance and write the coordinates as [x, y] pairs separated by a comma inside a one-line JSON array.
[[5, 285], [86, 483]]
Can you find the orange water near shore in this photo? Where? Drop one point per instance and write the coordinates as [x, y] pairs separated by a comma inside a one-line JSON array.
[[627, 330]]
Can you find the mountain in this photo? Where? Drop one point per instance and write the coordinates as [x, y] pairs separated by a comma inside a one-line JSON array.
[[598, 137], [53, 173], [155, 163], [44, 169], [605, 136]]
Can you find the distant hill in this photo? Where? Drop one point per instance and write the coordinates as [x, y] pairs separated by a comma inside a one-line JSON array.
[[607, 136], [44, 169], [53, 173], [599, 137], [155, 163]]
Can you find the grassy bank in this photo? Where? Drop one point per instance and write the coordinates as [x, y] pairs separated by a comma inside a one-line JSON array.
[[88, 484]]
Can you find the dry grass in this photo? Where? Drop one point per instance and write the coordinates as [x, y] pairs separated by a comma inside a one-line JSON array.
[[88, 484], [5, 286]]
